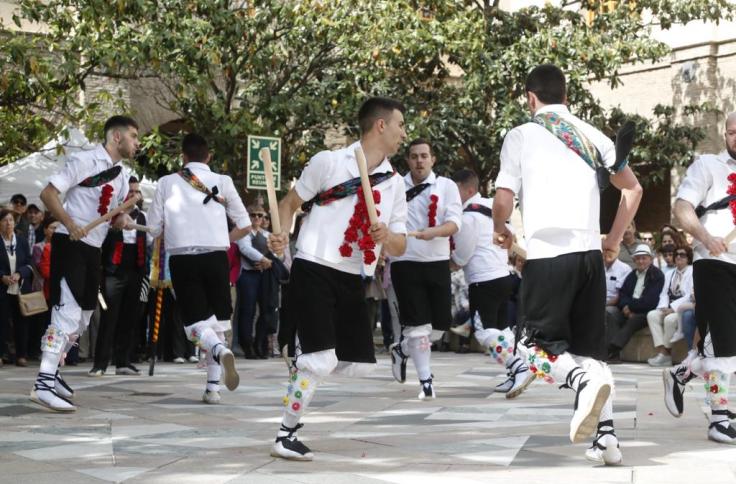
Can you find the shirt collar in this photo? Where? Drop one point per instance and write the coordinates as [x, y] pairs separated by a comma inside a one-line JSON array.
[[102, 155], [352, 162], [197, 165], [552, 108], [474, 199], [431, 179], [726, 158]]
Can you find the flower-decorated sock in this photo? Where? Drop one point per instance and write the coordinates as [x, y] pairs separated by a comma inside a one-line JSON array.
[[302, 385], [550, 368], [716, 395]]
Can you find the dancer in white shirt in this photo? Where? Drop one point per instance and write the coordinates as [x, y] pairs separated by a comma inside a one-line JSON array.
[[94, 182], [706, 208], [191, 208], [336, 244], [557, 164], [421, 277]]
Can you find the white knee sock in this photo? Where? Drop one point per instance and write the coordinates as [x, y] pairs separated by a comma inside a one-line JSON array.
[[716, 391], [553, 368], [420, 352], [214, 371]]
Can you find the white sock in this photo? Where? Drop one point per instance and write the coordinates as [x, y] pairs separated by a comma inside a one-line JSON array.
[[49, 363], [214, 370], [420, 353]]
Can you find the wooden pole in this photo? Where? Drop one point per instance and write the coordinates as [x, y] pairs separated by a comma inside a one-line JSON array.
[[273, 204], [129, 203], [366, 185]]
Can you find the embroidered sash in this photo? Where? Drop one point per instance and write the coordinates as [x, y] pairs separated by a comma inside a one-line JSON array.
[[344, 189], [197, 184], [101, 178], [577, 142], [414, 191]]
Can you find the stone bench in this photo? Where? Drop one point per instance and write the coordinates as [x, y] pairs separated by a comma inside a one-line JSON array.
[[638, 350]]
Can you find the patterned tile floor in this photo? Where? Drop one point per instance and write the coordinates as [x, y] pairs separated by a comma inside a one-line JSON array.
[[155, 429]]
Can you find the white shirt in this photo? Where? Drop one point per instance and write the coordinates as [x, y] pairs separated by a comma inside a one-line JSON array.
[[559, 194], [475, 252], [82, 203], [686, 289], [449, 209], [12, 262], [323, 228], [245, 245], [615, 276], [189, 225], [706, 182], [639, 286]]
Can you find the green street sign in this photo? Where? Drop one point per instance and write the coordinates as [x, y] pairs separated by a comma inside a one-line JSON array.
[[256, 176]]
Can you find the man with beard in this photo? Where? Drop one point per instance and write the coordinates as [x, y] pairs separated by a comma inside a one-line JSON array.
[[95, 182]]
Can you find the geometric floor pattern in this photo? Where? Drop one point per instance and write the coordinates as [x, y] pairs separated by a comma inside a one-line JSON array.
[[372, 430]]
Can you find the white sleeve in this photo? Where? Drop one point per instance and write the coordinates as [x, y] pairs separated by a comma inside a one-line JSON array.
[[465, 240], [694, 188], [400, 209], [309, 183], [509, 175], [76, 168], [245, 245], [156, 210], [664, 299], [453, 205], [234, 204]]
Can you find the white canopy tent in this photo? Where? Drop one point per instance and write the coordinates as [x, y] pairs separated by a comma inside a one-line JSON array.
[[29, 175]]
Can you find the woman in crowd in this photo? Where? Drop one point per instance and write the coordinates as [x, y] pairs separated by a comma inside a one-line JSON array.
[[17, 276], [665, 320]]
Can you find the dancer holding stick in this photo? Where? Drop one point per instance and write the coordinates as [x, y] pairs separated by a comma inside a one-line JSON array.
[[339, 240], [95, 183]]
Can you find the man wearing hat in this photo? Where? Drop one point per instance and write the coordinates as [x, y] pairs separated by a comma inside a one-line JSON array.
[[639, 295]]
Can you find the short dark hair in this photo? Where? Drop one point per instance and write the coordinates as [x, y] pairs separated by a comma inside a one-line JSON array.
[[4, 213], [119, 122], [376, 108], [48, 221], [420, 141], [33, 207], [133, 179], [19, 197], [195, 147], [547, 82], [466, 177]]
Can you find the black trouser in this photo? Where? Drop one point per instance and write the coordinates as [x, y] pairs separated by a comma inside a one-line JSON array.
[[172, 340], [620, 329], [489, 299], [117, 324], [11, 312]]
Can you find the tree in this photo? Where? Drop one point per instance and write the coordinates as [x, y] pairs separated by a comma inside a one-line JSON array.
[[296, 68]]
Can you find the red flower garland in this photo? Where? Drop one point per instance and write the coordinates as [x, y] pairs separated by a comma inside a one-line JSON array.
[[105, 198], [359, 223], [433, 199], [732, 191]]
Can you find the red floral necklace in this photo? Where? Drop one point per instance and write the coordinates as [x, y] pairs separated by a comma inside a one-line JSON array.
[[732, 191], [358, 223], [105, 198], [432, 213]]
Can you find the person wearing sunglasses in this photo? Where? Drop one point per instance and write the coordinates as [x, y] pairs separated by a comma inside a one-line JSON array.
[[665, 321]]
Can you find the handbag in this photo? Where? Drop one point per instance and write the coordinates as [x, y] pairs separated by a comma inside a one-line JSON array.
[[32, 303]]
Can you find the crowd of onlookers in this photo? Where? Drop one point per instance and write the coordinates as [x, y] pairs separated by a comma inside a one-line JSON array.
[[649, 283]]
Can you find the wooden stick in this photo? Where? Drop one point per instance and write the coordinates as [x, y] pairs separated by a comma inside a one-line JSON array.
[[129, 203], [730, 237], [514, 246], [366, 184], [142, 228], [273, 204], [154, 330]]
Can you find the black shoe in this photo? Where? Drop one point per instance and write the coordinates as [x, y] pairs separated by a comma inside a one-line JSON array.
[[614, 357], [463, 349], [249, 353], [289, 447]]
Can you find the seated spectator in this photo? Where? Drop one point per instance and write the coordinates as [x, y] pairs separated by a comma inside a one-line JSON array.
[[628, 245], [688, 324], [665, 259], [616, 272], [664, 321], [638, 295]]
